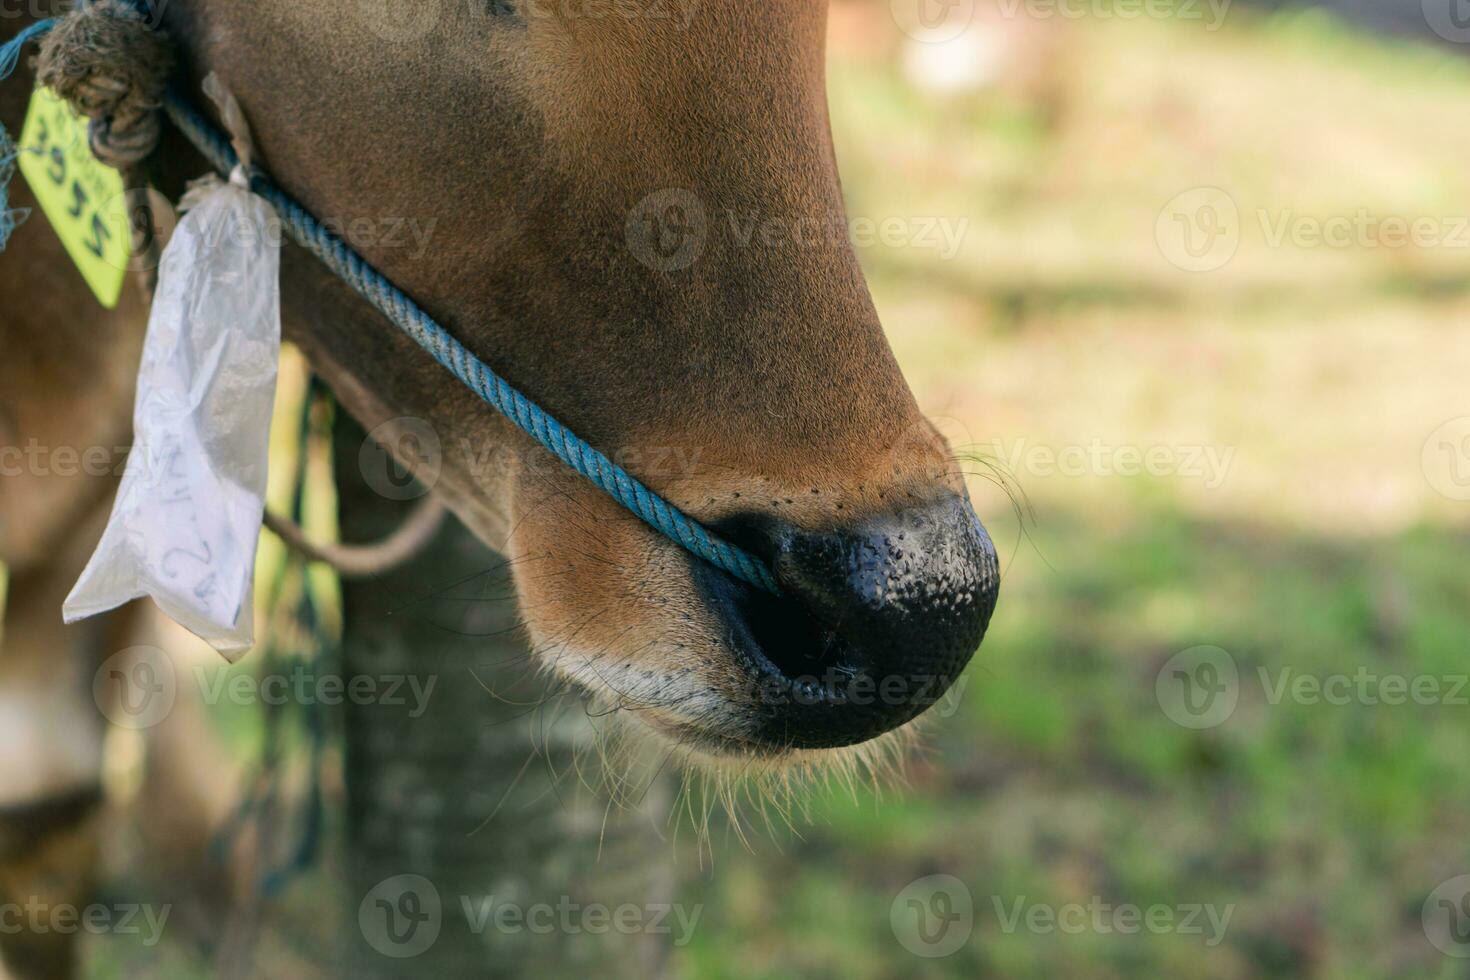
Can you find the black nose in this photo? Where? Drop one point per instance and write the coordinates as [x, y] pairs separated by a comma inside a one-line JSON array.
[[877, 619]]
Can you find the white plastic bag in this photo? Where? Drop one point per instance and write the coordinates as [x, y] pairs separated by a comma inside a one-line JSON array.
[[184, 527]]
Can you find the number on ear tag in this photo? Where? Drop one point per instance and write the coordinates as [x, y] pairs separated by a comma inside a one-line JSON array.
[[84, 199]]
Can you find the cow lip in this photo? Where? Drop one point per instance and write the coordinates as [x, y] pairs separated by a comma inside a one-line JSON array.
[[701, 740]]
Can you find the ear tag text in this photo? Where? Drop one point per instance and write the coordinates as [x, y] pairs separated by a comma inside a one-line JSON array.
[[84, 199]]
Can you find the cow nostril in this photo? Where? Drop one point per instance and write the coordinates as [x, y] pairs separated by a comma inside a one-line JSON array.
[[790, 633], [877, 618], [801, 647]]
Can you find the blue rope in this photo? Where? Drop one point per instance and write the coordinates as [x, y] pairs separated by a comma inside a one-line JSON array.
[[10, 53], [9, 59], [8, 218], [572, 450]]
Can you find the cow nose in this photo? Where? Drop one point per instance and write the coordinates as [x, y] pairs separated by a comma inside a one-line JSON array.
[[876, 620]]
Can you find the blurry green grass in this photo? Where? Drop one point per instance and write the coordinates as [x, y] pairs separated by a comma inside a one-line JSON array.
[[1060, 777]]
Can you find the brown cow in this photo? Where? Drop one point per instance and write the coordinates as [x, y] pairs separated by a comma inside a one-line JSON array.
[[586, 170]]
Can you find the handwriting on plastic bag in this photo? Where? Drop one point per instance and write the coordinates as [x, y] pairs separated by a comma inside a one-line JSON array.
[[184, 526]]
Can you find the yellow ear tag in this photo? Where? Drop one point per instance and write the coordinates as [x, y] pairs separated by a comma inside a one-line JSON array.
[[84, 199]]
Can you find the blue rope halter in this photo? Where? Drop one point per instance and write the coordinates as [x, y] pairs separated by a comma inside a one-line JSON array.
[[393, 303]]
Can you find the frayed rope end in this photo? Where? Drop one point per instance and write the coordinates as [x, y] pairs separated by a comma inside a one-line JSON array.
[[9, 219], [9, 61], [10, 51]]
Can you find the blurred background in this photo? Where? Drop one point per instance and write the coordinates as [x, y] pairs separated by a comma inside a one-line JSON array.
[[1185, 281]]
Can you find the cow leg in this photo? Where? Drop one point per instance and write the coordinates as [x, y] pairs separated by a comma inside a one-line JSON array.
[[51, 734]]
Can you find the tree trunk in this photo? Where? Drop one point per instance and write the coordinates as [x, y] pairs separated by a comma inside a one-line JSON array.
[[475, 846]]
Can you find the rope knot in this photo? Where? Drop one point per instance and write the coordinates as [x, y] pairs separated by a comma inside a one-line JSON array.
[[111, 65]]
